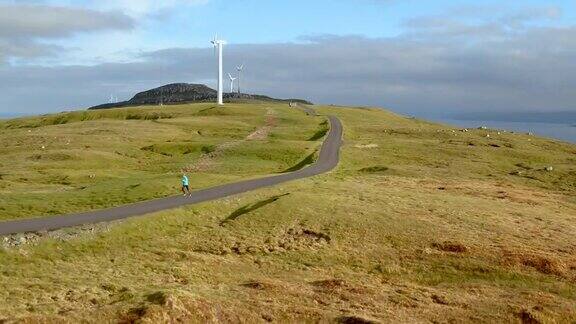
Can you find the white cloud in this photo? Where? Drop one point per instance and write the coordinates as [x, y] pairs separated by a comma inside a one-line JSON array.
[[63, 31], [140, 8], [24, 28], [48, 21]]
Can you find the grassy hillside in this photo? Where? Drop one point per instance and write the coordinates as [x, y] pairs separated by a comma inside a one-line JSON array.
[[419, 223], [95, 159]]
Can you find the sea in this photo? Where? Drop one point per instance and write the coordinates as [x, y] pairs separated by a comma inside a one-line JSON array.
[[11, 115]]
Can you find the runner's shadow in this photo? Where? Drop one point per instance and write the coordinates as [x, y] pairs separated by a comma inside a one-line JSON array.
[[250, 208]]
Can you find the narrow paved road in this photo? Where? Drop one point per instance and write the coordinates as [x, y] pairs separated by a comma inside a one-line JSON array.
[[328, 160], [309, 111]]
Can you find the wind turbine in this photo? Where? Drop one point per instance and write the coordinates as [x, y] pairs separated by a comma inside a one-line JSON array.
[[239, 69], [219, 46], [232, 79]]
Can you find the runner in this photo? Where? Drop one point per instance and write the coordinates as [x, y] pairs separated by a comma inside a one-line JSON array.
[[185, 185]]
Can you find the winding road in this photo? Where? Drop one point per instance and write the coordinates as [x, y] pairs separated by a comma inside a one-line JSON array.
[[327, 160]]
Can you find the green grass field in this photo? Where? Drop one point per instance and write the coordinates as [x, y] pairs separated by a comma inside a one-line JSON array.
[[420, 222], [89, 160]]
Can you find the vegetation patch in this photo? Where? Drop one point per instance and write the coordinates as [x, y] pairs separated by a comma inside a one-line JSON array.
[[532, 316], [524, 166], [355, 319], [296, 238], [214, 111], [134, 186], [544, 264], [51, 157], [375, 169], [305, 162], [148, 116], [441, 300], [172, 149], [206, 149], [204, 111], [259, 285], [449, 246], [329, 284], [59, 179], [158, 298], [320, 133]]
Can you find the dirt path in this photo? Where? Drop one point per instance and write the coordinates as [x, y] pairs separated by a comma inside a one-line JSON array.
[[263, 132]]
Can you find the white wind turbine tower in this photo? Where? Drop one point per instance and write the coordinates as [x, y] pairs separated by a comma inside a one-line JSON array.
[[239, 69], [232, 79], [218, 46]]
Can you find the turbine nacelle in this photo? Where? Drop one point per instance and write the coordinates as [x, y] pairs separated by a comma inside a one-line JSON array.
[[215, 41]]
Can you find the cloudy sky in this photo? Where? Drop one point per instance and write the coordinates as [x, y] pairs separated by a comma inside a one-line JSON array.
[[430, 58]]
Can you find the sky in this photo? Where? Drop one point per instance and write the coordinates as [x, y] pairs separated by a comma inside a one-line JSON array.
[[420, 57]]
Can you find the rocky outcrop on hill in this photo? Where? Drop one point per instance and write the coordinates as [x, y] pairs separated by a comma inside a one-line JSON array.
[[173, 93], [179, 93]]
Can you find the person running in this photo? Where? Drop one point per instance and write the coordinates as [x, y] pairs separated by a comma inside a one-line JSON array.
[[185, 185]]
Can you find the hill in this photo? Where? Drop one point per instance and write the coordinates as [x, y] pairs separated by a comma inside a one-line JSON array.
[[419, 223], [179, 93]]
